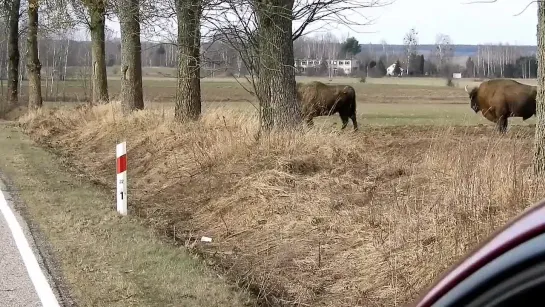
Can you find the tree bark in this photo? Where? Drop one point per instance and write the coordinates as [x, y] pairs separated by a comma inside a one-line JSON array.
[[276, 73], [539, 139], [97, 10], [33, 62], [13, 51], [188, 91], [131, 57]]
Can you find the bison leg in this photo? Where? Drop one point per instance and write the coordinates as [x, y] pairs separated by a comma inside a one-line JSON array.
[[354, 121], [501, 124], [344, 119]]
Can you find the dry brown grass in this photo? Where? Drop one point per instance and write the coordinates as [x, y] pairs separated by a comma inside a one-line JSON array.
[[321, 218]]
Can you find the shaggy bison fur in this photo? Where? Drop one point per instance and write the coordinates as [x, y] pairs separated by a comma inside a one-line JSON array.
[[499, 99], [319, 99]]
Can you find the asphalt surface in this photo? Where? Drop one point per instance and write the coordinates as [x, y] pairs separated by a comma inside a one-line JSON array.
[[16, 287]]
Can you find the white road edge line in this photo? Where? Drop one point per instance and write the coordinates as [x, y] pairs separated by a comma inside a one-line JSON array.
[[41, 285]]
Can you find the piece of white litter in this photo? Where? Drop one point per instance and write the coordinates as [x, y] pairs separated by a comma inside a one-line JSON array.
[[206, 239]]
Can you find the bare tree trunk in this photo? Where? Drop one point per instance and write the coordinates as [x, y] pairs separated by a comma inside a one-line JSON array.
[[47, 68], [65, 65], [188, 91], [22, 71], [2, 64], [97, 10], [131, 57], [488, 60], [539, 140], [13, 51], [3, 101], [276, 88], [52, 71], [33, 62]]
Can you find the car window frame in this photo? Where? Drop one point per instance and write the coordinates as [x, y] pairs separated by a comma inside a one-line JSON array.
[[529, 278], [519, 258]]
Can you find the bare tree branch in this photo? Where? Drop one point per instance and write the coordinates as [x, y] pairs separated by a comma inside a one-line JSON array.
[[525, 8], [480, 1], [493, 1]]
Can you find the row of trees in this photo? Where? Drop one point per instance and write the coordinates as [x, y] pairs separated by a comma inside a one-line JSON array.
[[374, 62], [491, 61], [501, 60], [63, 56], [520, 67], [260, 32]]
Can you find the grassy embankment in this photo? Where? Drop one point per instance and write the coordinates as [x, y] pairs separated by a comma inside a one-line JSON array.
[[322, 218]]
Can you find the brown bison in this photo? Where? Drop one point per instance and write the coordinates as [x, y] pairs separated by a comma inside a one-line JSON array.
[[499, 99], [319, 99]]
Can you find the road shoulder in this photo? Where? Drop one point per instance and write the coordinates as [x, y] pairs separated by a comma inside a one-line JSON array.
[[103, 259], [17, 288], [39, 245]]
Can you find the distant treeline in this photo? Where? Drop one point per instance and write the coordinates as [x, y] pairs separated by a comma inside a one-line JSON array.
[[459, 50], [218, 59]]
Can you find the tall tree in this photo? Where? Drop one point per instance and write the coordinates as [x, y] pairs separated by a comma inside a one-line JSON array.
[[528, 66], [351, 47], [422, 62], [381, 68], [97, 26], [276, 73], [260, 31], [33, 62], [3, 63], [416, 64], [410, 41], [188, 91], [444, 52], [385, 50], [397, 68], [470, 67], [13, 7], [539, 138], [92, 15], [131, 56]]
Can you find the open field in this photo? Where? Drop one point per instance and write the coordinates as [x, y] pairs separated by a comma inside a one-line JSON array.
[[161, 73], [381, 101], [317, 218], [378, 90]]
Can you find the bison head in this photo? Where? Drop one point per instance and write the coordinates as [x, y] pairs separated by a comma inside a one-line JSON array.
[[473, 98]]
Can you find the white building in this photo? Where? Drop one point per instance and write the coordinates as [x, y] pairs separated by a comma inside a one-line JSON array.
[[391, 68], [347, 66]]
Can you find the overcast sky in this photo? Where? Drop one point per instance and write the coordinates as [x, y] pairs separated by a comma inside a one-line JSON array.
[[465, 23], [476, 23]]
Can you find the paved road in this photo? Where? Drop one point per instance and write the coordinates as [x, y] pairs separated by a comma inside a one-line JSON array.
[[16, 286]]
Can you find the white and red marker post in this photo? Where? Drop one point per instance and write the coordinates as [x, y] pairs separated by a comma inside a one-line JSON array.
[[121, 162]]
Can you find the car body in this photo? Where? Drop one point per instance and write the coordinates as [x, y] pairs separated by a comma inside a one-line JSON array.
[[508, 268]]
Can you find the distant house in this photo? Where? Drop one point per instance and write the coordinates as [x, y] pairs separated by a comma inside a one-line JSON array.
[[347, 66], [391, 68]]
